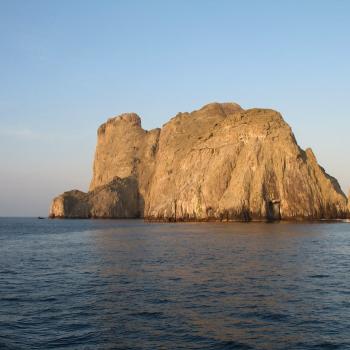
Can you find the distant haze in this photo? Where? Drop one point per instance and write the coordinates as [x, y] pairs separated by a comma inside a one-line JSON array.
[[67, 66]]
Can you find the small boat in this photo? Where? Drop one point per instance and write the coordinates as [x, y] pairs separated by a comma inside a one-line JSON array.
[[40, 218]]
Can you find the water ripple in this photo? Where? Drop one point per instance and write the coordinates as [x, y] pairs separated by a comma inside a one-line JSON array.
[[103, 284]]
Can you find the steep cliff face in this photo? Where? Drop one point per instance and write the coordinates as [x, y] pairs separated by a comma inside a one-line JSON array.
[[238, 165], [217, 163], [125, 149]]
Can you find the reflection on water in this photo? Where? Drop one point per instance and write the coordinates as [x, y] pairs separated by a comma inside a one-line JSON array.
[[128, 284]]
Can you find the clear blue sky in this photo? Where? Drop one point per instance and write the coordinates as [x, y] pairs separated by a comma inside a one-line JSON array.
[[66, 66]]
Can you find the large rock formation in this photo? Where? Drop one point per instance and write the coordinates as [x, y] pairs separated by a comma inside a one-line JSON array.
[[218, 163]]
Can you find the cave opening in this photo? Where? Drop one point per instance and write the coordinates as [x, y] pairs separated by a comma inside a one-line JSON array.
[[273, 210]]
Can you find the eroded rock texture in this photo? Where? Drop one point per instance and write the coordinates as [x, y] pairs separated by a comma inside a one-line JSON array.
[[217, 163]]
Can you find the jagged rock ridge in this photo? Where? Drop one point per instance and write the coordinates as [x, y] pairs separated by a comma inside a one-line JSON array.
[[217, 163]]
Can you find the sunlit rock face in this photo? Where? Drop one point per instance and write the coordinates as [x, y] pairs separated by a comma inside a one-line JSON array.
[[217, 163]]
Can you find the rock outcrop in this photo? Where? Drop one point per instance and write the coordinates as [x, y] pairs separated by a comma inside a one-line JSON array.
[[217, 163], [117, 199]]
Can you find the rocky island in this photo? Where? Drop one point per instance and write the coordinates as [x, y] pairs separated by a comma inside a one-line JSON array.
[[220, 162]]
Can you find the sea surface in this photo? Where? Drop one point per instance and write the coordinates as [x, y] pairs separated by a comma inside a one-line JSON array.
[[126, 284]]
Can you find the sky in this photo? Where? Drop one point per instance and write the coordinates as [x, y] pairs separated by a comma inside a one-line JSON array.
[[67, 66]]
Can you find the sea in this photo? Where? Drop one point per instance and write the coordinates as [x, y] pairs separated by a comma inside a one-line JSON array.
[[129, 284]]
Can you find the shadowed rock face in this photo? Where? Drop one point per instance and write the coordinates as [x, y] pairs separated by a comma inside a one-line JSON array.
[[120, 198], [217, 163]]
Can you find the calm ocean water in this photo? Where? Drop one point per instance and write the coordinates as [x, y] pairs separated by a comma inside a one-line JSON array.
[[100, 284]]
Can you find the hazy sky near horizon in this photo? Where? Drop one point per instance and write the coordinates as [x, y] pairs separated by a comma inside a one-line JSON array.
[[67, 66]]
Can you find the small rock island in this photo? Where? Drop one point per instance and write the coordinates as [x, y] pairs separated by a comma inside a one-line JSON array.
[[220, 162]]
